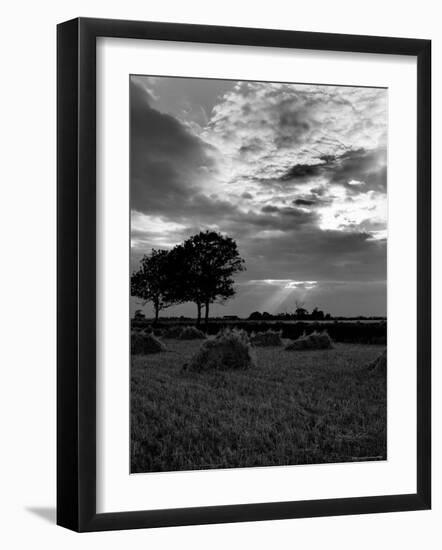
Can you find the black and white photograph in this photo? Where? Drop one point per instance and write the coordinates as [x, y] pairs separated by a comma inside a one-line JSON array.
[[258, 273], [223, 216]]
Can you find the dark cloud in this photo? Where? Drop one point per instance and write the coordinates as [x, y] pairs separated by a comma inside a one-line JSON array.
[[167, 160], [366, 166], [327, 158], [304, 202], [369, 167], [269, 209], [313, 199], [303, 171]]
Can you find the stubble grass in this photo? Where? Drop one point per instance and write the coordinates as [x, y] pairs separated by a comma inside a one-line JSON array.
[[302, 407]]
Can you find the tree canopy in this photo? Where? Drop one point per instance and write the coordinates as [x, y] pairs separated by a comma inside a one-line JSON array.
[[199, 270], [151, 281], [207, 262]]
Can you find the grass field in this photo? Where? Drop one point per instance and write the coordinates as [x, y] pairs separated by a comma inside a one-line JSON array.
[[294, 408]]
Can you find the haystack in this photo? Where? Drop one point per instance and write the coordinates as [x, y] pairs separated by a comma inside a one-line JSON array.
[[143, 343], [379, 365], [266, 338], [191, 333], [230, 350], [150, 329], [315, 340], [173, 332]]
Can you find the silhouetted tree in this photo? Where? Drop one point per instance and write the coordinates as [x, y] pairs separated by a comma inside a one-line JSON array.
[[204, 266], [317, 314], [300, 312], [266, 316], [152, 281], [255, 316]]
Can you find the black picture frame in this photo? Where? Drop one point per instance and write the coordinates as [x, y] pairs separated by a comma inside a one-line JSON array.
[[76, 274]]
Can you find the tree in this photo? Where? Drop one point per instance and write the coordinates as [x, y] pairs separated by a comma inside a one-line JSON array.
[[152, 281], [317, 314], [300, 312], [204, 266], [255, 316]]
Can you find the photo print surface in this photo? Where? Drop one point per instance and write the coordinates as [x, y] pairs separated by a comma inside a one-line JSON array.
[[258, 273]]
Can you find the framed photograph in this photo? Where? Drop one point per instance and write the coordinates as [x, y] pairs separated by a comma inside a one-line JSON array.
[[243, 274]]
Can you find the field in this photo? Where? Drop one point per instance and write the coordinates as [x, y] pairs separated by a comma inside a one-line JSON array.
[[295, 408], [348, 331]]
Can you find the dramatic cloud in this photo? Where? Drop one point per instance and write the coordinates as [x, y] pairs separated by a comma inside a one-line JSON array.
[[265, 129], [296, 174]]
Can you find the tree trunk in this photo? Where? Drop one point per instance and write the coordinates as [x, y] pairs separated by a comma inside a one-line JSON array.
[[198, 319], [206, 315]]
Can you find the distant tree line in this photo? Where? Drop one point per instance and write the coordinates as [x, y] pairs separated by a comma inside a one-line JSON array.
[[199, 270], [315, 315], [299, 314]]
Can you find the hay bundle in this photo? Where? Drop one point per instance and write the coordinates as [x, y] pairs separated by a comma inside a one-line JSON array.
[[150, 329], [266, 338], [379, 365], [191, 333], [173, 332], [230, 350], [143, 343], [315, 340]]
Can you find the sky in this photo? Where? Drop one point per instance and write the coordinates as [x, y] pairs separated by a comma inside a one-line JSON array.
[[295, 173]]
